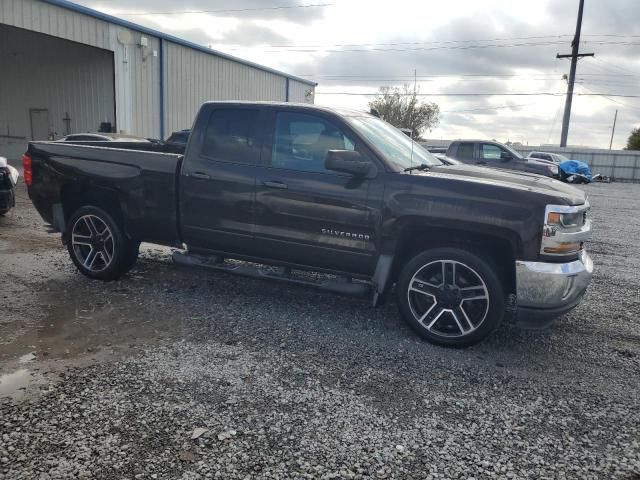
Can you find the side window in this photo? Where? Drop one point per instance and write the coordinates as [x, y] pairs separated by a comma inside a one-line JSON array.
[[232, 136], [301, 141], [536, 155], [490, 152], [465, 151]]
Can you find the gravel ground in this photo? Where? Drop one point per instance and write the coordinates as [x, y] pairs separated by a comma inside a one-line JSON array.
[[287, 382]]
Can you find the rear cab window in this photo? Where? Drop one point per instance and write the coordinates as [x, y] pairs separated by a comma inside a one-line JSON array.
[[233, 135], [465, 151]]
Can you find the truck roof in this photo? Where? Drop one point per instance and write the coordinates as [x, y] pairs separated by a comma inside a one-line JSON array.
[[308, 106]]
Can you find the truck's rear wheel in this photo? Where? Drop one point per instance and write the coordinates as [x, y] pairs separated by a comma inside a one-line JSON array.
[[97, 244], [450, 296]]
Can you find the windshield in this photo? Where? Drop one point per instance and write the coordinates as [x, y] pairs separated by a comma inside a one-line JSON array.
[[515, 154], [395, 145], [560, 158]]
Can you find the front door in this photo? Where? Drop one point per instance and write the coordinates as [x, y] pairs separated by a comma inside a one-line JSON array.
[[39, 123], [218, 180], [306, 214], [496, 156]]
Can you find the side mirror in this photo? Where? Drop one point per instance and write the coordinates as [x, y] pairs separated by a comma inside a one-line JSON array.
[[505, 156], [347, 161]]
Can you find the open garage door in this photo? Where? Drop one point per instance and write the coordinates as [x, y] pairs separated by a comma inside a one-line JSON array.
[[50, 87]]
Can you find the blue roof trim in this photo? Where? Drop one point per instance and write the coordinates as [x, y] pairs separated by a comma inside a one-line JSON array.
[[155, 33]]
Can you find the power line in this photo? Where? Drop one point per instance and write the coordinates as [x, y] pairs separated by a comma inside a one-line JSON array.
[[399, 48], [397, 80], [618, 67], [430, 42], [608, 97], [494, 94], [367, 94], [233, 10], [499, 107], [330, 76], [416, 49]]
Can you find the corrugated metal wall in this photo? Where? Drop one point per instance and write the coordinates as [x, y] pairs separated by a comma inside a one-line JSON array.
[[137, 71], [52, 75], [620, 165], [190, 76], [194, 77], [137, 76], [55, 21], [301, 92]]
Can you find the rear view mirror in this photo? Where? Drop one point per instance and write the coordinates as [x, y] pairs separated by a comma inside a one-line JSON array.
[[347, 161]]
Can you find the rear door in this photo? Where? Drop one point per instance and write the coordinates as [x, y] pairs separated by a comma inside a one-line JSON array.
[[39, 118], [306, 214], [218, 179]]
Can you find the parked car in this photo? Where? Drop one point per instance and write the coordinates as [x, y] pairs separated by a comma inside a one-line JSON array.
[[304, 187], [555, 158], [574, 171], [435, 150], [103, 137], [498, 155], [8, 181], [177, 141]]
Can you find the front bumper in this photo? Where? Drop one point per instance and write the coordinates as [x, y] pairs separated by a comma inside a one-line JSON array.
[[547, 290]]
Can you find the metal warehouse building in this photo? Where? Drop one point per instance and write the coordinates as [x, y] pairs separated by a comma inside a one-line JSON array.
[[65, 68]]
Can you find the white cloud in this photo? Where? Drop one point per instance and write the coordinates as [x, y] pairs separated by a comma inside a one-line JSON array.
[[616, 67]]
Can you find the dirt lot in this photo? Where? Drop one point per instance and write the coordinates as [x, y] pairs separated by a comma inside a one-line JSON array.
[[112, 380]]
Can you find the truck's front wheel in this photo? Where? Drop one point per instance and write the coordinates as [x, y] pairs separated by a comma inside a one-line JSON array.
[[97, 244], [450, 296]]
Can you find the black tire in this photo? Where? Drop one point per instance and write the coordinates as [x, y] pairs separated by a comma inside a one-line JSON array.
[[454, 313], [111, 249]]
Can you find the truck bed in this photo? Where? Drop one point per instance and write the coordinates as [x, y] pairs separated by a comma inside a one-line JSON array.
[[143, 184]]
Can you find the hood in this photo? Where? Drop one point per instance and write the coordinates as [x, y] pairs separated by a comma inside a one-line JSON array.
[[509, 179], [541, 161]]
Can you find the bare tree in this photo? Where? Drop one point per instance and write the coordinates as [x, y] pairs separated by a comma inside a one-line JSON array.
[[402, 109]]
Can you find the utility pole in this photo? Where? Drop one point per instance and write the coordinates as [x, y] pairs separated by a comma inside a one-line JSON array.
[[575, 55], [613, 130]]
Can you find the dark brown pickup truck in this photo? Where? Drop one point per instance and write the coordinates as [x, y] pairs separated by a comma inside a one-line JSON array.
[[301, 187]]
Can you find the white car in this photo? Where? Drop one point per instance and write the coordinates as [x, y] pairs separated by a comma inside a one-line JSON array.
[[8, 182], [545, 157]]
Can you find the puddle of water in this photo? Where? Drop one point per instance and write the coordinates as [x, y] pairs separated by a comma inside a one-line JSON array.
[[13, 384], [27, 357]]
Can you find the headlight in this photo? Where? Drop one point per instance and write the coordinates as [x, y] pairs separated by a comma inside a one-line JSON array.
[[565, 229]]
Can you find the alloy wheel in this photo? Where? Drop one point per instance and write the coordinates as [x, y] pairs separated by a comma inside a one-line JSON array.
[[93, 243], [448, 298]]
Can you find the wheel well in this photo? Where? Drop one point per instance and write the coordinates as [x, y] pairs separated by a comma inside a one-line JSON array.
[[74, 198], [499, 250]]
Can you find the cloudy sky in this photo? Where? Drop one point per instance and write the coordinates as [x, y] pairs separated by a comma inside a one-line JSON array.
[[476, 48]]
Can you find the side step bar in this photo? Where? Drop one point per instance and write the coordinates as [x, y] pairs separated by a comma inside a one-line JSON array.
[[340, 285]]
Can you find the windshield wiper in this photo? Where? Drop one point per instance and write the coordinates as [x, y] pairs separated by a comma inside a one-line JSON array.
[[422, 166]]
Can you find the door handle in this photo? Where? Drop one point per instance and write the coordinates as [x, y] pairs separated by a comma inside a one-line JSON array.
[[280, 185], [201, 176]]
